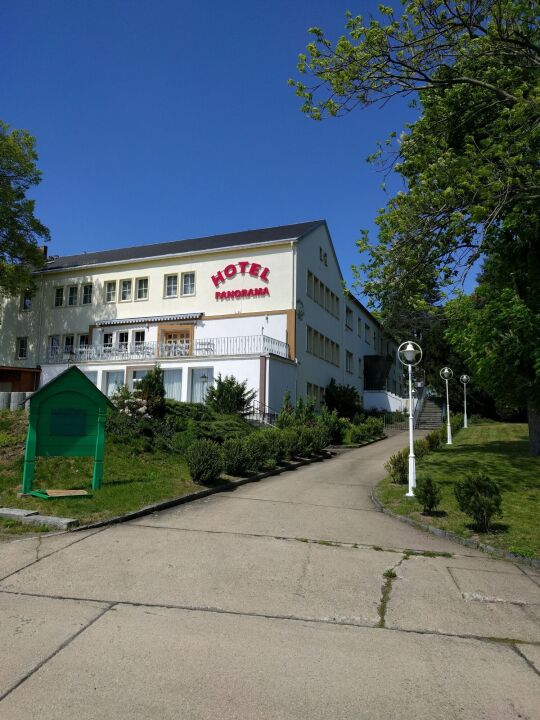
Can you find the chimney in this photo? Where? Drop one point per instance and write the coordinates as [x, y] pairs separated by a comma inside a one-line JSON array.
[[43, 249]]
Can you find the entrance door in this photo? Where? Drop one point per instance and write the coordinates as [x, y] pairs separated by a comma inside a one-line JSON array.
[[201, 379]]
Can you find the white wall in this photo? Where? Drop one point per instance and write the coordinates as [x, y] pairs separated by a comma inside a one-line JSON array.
[[281, 375], [375, 400], [274, 326]]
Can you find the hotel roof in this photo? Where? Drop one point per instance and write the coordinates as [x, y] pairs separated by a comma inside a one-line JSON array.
[[281, 233]]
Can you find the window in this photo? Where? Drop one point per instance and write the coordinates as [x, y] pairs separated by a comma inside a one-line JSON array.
[[91, 375], [22, 348], [359, 327], [123, 338], [107, 340], [322, 294], [188, 283], [87, 295], [139, 337], [68, 343], [125, 290], [349, 361], [54, 345], [142, 289], [321, 346], [348, 318], [83, 341], [137, 377], [172, 381], [72, 295], [26, 300], [110, 291], [366, 332], [359, 367], [59, 297], [171, 285], [113, 379], [310, 284]]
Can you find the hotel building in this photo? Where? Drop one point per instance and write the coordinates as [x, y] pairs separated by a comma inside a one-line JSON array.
[[266, 306]]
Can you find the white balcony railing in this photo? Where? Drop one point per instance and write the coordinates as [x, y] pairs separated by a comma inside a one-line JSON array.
[[207, 347]]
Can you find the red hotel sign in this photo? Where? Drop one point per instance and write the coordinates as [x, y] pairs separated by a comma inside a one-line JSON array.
[[241, 268]]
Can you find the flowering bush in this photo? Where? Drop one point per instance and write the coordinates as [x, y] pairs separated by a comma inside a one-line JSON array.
[[128, 404]]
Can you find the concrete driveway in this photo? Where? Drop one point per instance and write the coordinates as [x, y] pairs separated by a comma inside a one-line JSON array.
[[268, 602]]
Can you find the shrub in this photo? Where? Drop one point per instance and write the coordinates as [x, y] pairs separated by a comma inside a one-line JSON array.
[[286, 417], [479, 497], [358, 418], [433, 440], [375, 426], [428, 493], [151, 390], [421, 448], [321, 438], [228, 396], [205, 461], [275, 445], [257, 450], [333, 424], [398, 466], [306, 442], [304, 412], [235, 457], [289, 438], [359, 433], [343, 398]]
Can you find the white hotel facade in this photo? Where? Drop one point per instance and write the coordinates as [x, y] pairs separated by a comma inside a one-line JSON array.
[[266, 306]]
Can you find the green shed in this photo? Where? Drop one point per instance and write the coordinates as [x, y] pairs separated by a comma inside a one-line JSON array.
[[67, 417]]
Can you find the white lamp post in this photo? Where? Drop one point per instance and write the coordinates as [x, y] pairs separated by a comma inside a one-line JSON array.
[[410, 354], [464, 380], [446, 373]]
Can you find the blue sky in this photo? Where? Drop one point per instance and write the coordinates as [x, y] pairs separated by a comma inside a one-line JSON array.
[[166, 120]]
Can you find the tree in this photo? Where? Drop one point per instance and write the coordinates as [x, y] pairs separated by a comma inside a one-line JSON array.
[[151, 389], [470, 162], [229, 396], [20, 230]]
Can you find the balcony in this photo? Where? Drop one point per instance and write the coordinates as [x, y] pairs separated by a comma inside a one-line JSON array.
[[145, 351]]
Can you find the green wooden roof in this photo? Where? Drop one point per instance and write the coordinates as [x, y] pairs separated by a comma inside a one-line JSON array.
[[72, 380]]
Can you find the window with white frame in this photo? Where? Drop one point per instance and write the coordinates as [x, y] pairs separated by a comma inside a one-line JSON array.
[[22, 348], [83, 340], [68, 343], [125, 290], [359, 367], [107, 340], [348, 318], [59, 297], [73, 292], [26, 300], [188, 283], [366, 333], [54, 345], [87, 294], [139, 337], [142, 289], [123, 338], [349, 361], [171, 285], [110, 291]]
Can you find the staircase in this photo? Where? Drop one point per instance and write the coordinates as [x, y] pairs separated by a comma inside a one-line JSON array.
[[431, 415]]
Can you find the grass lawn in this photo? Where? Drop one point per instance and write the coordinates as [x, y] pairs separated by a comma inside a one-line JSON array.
[[500, 450], [131, 479]]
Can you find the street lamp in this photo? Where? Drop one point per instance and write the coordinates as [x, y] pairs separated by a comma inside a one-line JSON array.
[[464, 380], [410, 354], [446, 373]]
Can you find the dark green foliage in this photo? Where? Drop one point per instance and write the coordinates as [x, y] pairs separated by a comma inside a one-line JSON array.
[[479, 497], [433, 440], [151, 390], [375, 426], [371, 429], [304, 411], [343, 398], [276, 445], [321, 438], [205, 461], [228, 396], [398, 466], [308, 441], [204, 422], [428, 493], [421, 448], [290, 442], [20, 230], [235, 457], [286, 417], [257, 450], [333, 424]]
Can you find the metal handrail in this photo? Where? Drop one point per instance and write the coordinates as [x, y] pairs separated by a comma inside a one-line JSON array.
[[420, 401]]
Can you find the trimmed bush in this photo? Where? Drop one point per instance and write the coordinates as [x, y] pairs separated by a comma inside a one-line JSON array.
[[433, 440], [398, 467], [359, 433], [479, 497], [275, 444], [235, 457], [228, 396], [321, 438], [334, 425], [421, 448], [307, 443], [375, 427], [428, 493], [289, 438], [151, 390], [205, 461], [257, 450]]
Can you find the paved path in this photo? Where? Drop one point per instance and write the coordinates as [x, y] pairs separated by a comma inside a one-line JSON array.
[[268, 602]]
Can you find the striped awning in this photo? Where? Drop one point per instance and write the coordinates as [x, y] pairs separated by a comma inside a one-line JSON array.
[[146, 320]]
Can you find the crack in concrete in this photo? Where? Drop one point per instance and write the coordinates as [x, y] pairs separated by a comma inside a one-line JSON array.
[[292, 502], [386, 590], [63, 645], [524, 657]]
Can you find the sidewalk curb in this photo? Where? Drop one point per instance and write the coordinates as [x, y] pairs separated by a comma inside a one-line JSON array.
[[467, 542], [191, 497]]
